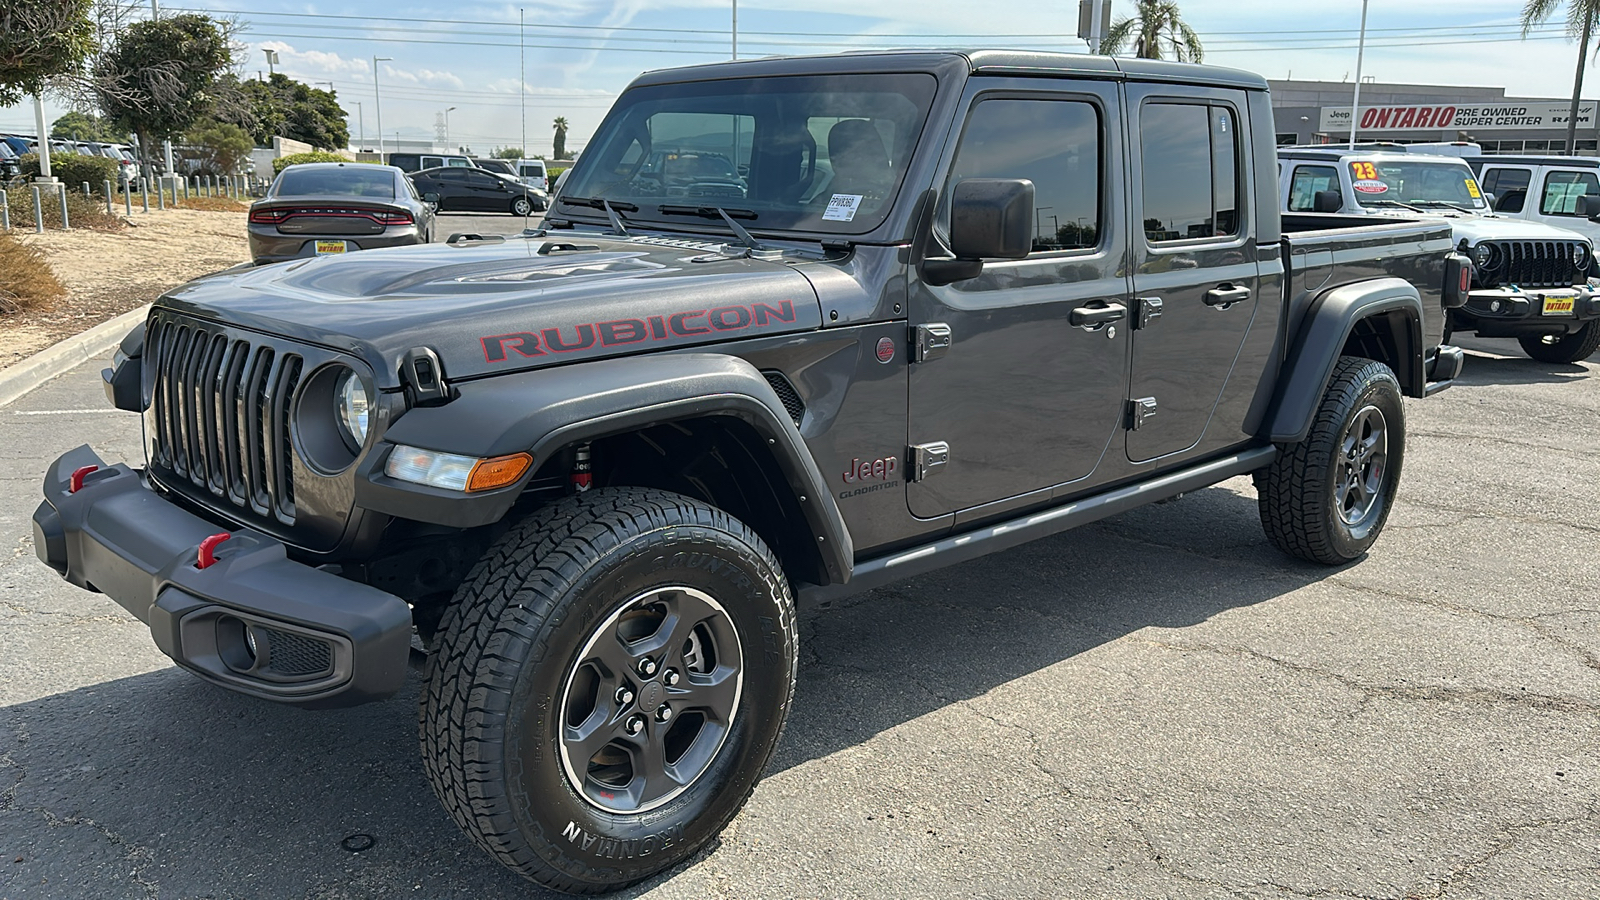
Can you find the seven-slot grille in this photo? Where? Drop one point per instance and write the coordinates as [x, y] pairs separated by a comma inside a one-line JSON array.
[[1537, 264], [221, 407]]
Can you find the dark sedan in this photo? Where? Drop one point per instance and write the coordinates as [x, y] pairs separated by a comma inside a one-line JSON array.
[[322, 209], [462, 189]]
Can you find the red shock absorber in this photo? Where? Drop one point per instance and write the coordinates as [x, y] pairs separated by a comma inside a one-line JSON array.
[[582, 470]]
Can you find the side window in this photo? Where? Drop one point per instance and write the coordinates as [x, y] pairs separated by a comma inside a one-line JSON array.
[[1053, 143], [1509, 187], [1191, 186], [1562, 190], [1305, 184]]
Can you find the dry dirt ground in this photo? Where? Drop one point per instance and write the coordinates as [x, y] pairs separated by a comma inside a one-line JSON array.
[[107, 274]]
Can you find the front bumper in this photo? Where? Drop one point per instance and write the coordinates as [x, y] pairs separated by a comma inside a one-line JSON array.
[[255, 621], [1510, 312]]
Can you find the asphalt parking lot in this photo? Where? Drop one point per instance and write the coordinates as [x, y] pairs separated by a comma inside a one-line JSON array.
[[1159, 705], [446, 224]]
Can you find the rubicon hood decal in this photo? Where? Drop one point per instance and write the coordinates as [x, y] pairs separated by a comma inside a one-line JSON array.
[[501, 307]]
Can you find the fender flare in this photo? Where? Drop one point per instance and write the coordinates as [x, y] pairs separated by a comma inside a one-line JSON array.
[[1316, 349], [543, 410]]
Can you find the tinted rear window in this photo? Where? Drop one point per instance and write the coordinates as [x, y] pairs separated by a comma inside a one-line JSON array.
[[348, 181]]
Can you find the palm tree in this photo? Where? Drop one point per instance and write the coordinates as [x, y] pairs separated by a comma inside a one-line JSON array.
[[1157, 27], [561, 137], [1582, 16]]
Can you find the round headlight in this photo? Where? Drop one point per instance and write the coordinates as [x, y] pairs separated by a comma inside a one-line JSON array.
[[1482, 255], [1580, 256], [354, 407]]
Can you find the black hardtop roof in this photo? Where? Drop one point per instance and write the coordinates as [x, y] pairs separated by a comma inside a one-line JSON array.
[[1574, 162], [975, 62]]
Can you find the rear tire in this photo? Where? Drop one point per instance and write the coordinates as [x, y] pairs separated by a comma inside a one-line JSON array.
[[1326, 498], [521, 206], [1563, 348], [527, 716]]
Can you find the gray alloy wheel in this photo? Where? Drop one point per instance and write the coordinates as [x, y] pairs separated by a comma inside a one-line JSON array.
[[651, 699], [521, 206], [1362, 464]]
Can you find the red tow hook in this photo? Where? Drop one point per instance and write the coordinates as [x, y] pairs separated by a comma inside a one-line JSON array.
[[208, 550], [76, 484]]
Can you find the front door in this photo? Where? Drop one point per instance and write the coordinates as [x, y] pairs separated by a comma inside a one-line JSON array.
[[1025, 399], [1194, 272]]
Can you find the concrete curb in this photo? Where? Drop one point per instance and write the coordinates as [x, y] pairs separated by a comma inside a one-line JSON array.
[[48, 363]]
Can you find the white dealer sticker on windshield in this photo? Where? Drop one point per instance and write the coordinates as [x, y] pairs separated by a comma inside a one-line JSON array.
[[842, 207]]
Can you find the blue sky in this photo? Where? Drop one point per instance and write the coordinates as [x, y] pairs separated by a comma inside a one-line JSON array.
[[581, 53]]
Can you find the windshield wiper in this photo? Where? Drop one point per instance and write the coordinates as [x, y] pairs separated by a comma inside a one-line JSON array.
[[1390, 203], [609, 207], [713, 212]]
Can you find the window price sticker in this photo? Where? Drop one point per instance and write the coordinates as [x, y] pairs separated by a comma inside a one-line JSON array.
[[842, 207]]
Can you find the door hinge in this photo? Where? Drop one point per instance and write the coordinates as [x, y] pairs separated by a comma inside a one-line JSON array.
[[929, 341], [927, 459], [1139, 410], [1146, 311]]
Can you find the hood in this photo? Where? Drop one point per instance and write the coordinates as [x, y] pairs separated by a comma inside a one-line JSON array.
[[1476, 229], [493, 307]]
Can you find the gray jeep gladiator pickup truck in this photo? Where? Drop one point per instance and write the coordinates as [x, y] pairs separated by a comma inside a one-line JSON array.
[[925, 306]]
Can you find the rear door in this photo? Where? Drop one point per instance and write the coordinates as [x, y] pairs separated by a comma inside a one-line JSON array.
[[1194, 270], [1024, 399]]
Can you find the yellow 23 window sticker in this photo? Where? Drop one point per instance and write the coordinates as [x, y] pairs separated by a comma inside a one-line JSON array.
[[1363, 171]]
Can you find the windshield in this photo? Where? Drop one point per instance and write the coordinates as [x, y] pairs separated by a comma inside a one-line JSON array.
[[339, 181], [1416, 183], [815, 153]]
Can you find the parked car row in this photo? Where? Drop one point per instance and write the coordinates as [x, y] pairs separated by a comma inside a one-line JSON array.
[[15, 146], [1535, 275], [531, 172], [322, 209]]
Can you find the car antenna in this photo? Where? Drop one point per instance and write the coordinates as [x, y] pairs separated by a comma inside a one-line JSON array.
[[616, 220]]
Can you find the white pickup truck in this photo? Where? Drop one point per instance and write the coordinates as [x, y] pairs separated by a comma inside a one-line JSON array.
[[1531, 281]]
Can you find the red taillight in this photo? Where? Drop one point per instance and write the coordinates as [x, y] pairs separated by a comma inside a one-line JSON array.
[[268, 216], [393, 218]]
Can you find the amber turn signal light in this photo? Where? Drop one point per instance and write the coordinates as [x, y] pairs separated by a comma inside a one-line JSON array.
[[498, 472]]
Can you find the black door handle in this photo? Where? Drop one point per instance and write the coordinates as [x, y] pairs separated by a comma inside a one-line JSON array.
[[1225, 295], [1095, 316]]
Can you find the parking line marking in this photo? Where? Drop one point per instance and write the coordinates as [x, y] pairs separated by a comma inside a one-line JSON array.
[[62, 412]]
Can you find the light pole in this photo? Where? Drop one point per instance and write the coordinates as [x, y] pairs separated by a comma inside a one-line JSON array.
[[361, 122], [377, 102], [1355, 103], [735, 29], [447, 130], [272, 60]]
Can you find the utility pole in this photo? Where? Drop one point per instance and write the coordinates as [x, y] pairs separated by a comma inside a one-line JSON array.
[[155, 13], [522, 78], [377, 104], [1355, 103], [44, 139], [361, 122], [735, 29], [1094, 17]]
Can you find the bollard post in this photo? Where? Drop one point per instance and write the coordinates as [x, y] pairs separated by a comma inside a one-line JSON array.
[[5, 211], [86, 188], [161, 196], [185, 192], [144, 193], [64, 225], [38, 212], [110, 210]]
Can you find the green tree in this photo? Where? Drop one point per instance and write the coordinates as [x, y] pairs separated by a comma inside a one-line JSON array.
[[40, 40], [162, 76], [75, 126], [1156, 28], [283, 107], [506, 153], [1582, 15], [222, 147], [561, 137]]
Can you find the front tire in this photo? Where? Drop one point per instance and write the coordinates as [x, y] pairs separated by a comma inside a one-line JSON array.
[[542, 723], [521, 207], [1326, 498], [1563, 348]]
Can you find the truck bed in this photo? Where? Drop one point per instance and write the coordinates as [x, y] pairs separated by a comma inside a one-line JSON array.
[[1325, 250]]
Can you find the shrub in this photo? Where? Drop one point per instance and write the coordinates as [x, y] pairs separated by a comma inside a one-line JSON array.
[[74, 169], [294, 159], [25, 277]]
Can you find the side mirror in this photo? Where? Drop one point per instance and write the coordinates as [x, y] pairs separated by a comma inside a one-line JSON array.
[[1489, 199], [430, 197], [1327, 202], [1587, 206], [992, 218]]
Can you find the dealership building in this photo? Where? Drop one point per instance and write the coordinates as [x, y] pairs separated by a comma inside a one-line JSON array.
[[1318, 112]]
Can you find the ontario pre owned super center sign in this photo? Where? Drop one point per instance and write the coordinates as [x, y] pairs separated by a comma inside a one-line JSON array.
[[1477, 117]]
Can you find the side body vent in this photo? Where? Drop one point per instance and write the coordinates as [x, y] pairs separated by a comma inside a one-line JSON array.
[[787, 394]]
